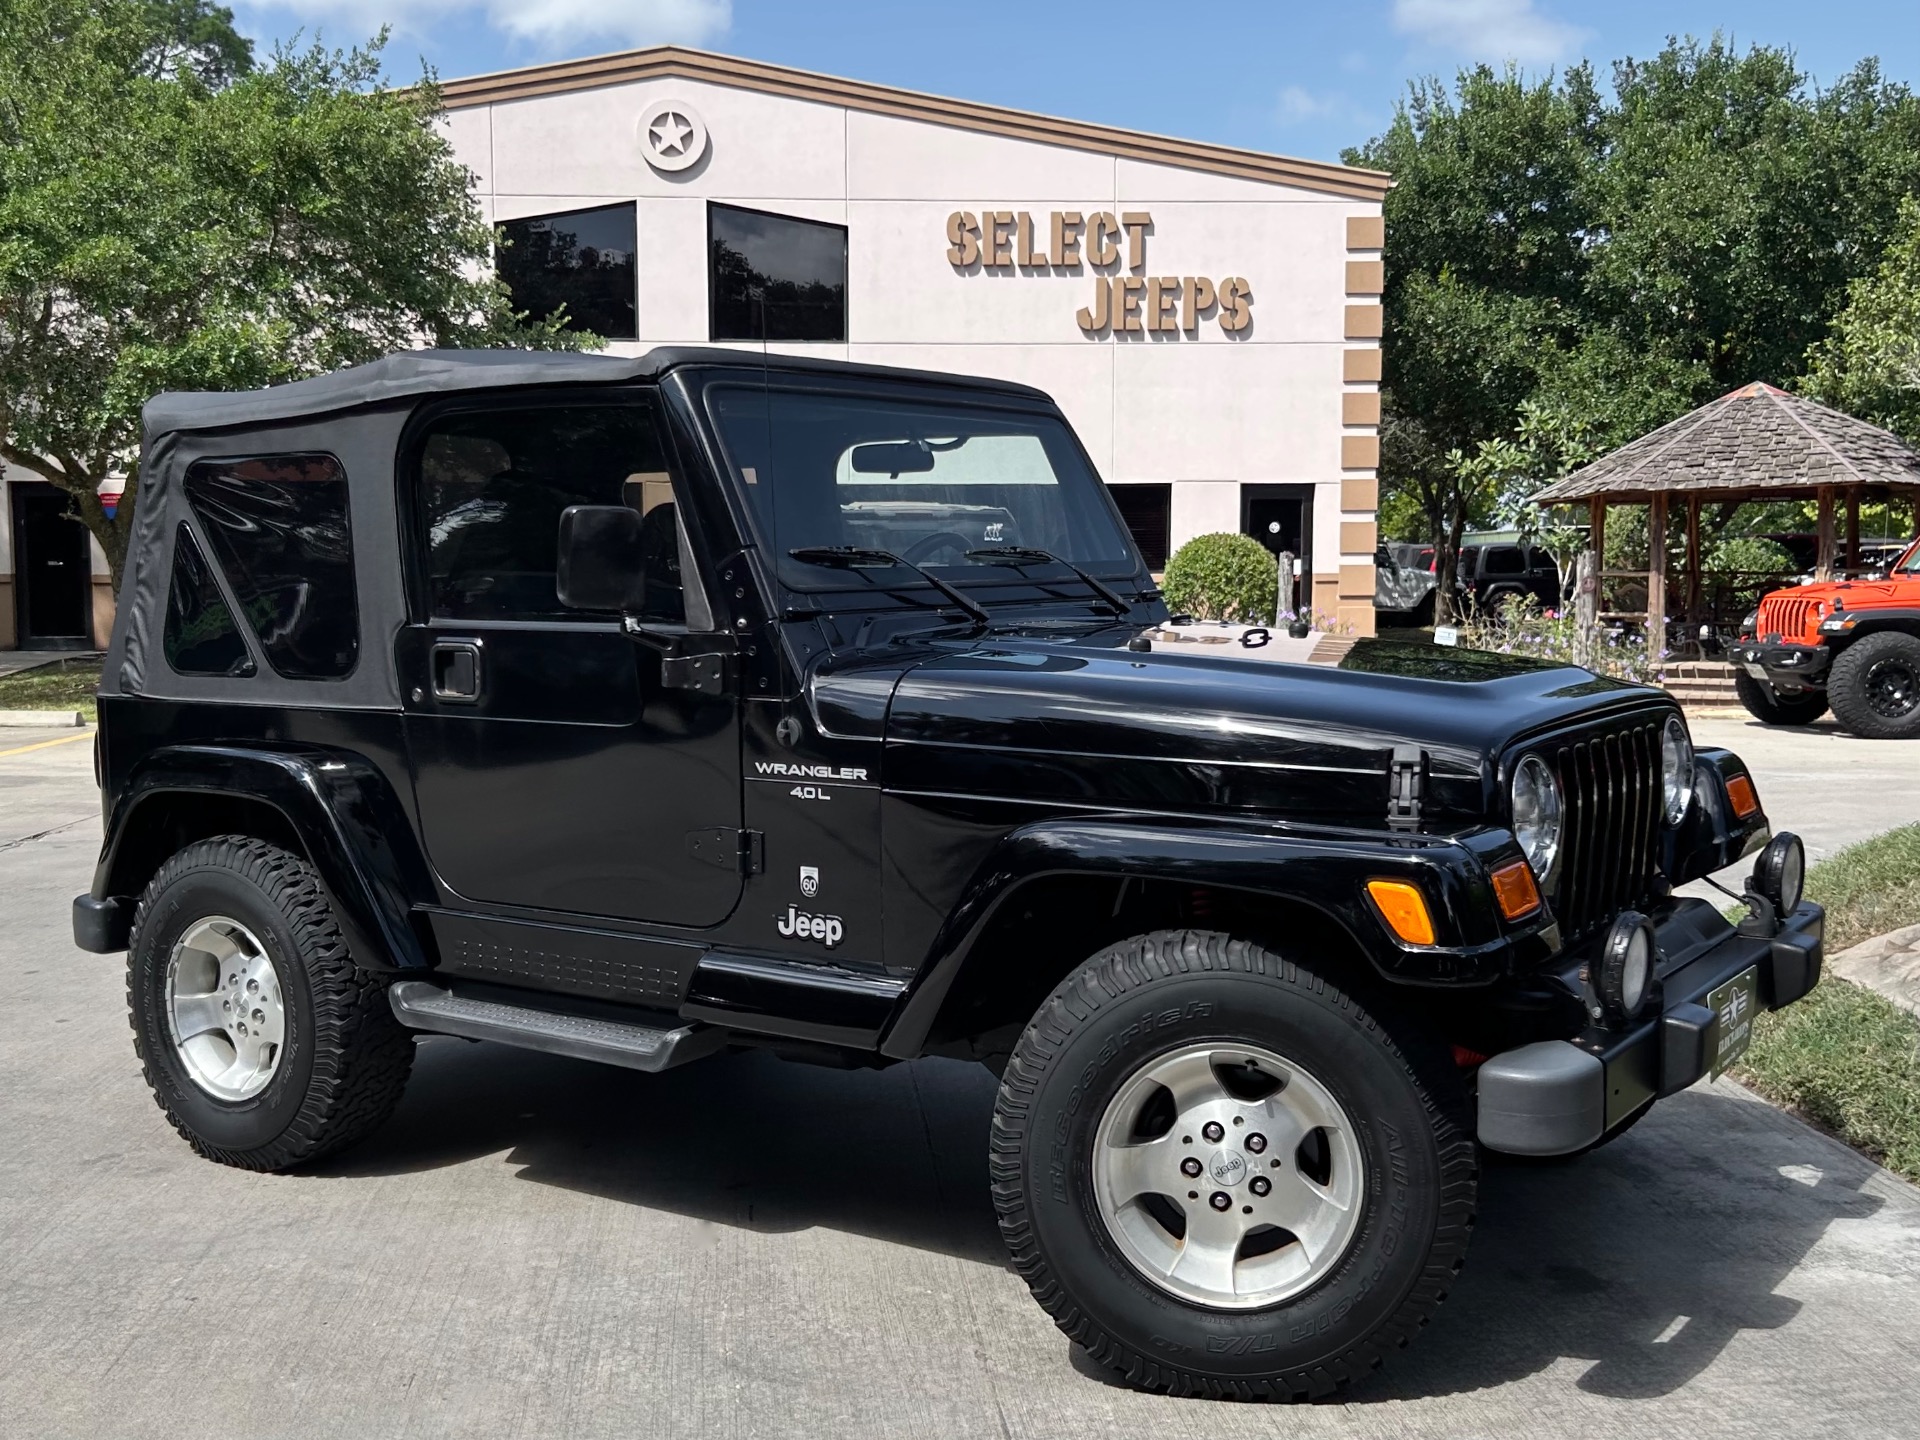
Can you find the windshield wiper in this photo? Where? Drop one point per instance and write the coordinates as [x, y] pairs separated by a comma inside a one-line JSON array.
[[857, 557], [1034, 555]]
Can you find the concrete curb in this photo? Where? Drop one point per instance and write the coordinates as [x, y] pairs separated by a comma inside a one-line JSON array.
[[1888, 964], [42, 719]]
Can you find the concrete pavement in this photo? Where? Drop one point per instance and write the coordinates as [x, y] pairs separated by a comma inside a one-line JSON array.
[[536, 1247]]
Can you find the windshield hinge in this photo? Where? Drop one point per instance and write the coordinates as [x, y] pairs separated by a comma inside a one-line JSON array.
[[741, 850], [1406, 785]]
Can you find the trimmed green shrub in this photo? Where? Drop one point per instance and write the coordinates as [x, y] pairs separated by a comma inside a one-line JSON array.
[[1223, 577]]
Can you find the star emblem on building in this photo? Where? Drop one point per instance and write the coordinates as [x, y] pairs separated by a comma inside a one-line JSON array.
[[670, 134]]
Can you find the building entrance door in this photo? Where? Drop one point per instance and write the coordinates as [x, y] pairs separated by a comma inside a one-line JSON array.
[[1280, 517], [52, 570]]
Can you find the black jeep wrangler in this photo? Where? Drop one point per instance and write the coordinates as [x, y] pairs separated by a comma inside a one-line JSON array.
[[640, 709]]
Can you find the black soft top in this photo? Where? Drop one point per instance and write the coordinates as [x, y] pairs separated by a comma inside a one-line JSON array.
[[411, 373]]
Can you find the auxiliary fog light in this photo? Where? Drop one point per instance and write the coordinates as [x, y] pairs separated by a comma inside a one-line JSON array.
[[1781, 873], [1624, 976]]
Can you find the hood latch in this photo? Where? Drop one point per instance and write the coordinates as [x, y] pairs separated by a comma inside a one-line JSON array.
[[1406, 784]]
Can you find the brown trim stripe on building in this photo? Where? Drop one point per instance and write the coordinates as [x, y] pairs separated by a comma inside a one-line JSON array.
[[676, 62], [1359, 452], [1360, 366], [1360, 407]]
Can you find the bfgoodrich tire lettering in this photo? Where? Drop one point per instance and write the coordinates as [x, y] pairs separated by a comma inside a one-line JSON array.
[[1172, 989], [344, 1059], [1875, 686]]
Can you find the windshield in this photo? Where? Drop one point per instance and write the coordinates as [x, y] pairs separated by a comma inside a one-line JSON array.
[[927, 482], [1910, 562]]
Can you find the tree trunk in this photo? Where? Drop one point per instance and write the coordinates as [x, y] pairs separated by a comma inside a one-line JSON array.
[[1446, 564]]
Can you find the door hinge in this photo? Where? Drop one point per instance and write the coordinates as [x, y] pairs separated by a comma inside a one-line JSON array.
[[1406, 785], [742, 851]]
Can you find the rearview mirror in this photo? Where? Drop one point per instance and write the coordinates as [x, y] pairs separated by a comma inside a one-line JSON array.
[[600, 566], [889, 458]]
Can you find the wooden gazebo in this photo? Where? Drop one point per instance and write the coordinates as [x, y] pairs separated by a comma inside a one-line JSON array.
[[1755, 443]]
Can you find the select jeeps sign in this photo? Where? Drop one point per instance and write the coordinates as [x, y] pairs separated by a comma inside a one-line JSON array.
[[1070, 240]]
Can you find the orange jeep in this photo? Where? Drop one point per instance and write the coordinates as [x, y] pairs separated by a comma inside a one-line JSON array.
[[1851, 644]]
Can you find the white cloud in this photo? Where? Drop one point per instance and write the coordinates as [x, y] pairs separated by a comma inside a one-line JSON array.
[[1489, 29], [542, 23], [1298, 103]]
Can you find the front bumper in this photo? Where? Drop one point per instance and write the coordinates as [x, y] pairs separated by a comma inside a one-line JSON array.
[[1558, 1096], [1785, 667]]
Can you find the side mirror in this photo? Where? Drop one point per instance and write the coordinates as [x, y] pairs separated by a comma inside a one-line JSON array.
[[600, 565]]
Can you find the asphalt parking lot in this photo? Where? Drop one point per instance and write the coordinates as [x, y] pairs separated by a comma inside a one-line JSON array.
[[536, 1246]]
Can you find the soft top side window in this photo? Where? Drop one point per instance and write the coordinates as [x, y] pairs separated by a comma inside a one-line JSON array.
[[278, 526], [489, 490], [200, 637]]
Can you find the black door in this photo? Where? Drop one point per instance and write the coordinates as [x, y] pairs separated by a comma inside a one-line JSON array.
[[52, 567], [553, 768], [1280, 517]]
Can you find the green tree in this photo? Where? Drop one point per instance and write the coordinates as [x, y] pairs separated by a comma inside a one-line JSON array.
[[1614, 261], [199, 35], [1869, 364], [156, 234]]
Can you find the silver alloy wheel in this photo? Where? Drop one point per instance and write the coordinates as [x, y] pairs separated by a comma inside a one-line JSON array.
[[1249, 1197], [224, 1009]]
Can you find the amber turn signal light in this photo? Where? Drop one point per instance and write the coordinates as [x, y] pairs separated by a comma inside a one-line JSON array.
[[1513, 887], [1740, 795], [1404, 909]]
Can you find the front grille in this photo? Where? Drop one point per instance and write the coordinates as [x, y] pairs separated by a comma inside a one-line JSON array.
[[1785, 616], [1611, 788]]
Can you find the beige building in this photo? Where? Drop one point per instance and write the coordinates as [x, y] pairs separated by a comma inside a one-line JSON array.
[[1208, 318]]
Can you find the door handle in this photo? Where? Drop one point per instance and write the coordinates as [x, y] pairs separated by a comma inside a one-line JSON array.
[[456, 671]]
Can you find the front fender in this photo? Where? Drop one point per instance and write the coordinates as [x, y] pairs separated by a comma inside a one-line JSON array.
[[1326, 870], [345, 813], [1711, 836]]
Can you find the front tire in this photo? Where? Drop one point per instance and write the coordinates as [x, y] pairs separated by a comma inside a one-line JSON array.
[[262, 1041], [1309, 1296], [1770, 707], [1875, 686]]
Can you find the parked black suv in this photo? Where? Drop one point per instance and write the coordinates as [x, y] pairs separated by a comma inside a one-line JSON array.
[[639, 709]]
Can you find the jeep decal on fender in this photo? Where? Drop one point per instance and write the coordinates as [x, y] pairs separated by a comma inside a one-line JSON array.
[[802, 926], [781, 770]]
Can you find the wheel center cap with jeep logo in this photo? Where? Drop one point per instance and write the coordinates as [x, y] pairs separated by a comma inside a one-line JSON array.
[[1227, 1167]]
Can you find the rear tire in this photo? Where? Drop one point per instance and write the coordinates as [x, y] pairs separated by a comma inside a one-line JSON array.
[[1278, 1319], [1770, 707], [241, 925], [1875, 686]]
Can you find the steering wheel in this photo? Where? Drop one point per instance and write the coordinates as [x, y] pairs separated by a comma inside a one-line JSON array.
[[927, 547]]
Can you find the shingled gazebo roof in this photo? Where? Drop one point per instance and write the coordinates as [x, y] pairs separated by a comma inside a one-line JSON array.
[[1754, 439]]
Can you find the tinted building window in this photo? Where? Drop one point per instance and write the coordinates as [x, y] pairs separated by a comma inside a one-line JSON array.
[[582, 260], [1148, 511], [793, 270], [200, 638], [493, 484], [278, 529]]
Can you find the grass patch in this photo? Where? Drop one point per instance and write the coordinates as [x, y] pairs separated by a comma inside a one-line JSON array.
[[64, 685], [1869, 888], [1845, 1057]]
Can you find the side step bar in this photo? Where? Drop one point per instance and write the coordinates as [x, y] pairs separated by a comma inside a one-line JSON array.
[[433, 1008]]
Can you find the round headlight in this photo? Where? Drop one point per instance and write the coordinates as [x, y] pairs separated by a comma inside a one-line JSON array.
[[1536, 814], [1781, 872], [1626, 966], [1676, 766], [1750, 623]]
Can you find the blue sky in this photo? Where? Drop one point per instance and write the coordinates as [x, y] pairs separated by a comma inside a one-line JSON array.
[[1297, 78]]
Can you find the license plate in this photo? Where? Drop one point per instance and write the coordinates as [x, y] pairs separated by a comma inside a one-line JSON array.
[[1758, 672], [1734, 1005]]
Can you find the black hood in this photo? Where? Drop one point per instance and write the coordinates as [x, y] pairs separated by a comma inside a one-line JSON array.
[[1086, 721]]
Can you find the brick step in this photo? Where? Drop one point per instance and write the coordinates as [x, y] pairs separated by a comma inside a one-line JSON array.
[[1700, 684]]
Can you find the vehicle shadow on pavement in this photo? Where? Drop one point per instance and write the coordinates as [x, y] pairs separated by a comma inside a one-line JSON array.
[[1644, 1259], [746, 1139]]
